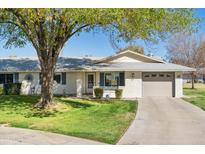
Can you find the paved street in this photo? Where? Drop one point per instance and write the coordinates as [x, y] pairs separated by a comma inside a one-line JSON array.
[[10, 135]]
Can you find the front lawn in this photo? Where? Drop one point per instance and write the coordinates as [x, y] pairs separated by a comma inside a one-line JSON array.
[[105, 121], [196, 96]]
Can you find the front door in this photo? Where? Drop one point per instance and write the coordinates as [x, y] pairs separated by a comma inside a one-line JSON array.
[[90, 82]]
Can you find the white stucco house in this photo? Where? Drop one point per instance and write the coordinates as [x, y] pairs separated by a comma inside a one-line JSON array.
[[138, 75]]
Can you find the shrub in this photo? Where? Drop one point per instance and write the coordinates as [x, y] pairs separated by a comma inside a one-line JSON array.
[[98, 92], [1, 91], [118, 93], [12, 88]]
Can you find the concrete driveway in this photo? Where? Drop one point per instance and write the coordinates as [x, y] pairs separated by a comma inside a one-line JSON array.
[[166, 121], [10, 136]]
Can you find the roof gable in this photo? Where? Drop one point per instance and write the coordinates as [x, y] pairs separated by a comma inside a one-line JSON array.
[[127, 55], [125, 59]]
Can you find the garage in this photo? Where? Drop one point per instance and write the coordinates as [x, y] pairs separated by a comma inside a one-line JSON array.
[[158, 84]]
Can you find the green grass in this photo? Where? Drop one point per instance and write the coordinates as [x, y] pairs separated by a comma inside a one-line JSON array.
[[196, 96], [104, 121], [1, 90]]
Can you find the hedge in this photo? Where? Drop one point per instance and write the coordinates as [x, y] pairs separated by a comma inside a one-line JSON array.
[[12, 88]]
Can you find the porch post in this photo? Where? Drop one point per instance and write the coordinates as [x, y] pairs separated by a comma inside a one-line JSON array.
[[79, 85]]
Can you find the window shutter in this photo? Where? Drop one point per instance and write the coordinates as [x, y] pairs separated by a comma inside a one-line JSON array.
[[16, 77], [64, 78], [122, 79], [102, 79], [40, 79]]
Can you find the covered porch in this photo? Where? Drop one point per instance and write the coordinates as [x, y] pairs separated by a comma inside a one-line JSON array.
[[109, 81]]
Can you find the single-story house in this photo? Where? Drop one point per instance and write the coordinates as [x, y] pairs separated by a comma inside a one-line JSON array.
[[137, 74]]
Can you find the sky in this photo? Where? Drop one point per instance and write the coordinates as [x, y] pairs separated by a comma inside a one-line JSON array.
[[93, 44]]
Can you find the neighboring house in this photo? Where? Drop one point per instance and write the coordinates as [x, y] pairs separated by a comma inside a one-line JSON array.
[[138, 75], [199, 77]]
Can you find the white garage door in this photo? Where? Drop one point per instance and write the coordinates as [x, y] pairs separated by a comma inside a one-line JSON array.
[[158, 84]]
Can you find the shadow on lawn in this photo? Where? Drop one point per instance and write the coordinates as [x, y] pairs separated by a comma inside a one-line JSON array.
[[76, 104], [23, 105], [16, 103], [190, 88], [52, 113], [40, 113]]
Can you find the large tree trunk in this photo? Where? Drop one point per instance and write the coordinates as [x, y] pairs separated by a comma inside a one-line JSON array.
[[47, 73]]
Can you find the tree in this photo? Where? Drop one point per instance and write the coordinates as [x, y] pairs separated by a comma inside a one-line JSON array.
[[188, 50], [135, 48], [49, 29]]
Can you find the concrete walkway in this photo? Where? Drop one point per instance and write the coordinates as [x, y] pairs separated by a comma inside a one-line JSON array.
[[10, 136], [166, 121]]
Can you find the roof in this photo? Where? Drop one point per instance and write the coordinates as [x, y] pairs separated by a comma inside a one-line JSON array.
[[89, 64], [21, 64], [165, 67], [27, 64], [131, 52]]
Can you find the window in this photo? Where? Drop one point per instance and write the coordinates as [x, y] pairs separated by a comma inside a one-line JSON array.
[[161, 75], [168, 75], [154, 75], [2, 78], [112, 79], [9, 78], [146, 75], [28, 78], [57, 78], [6, 78]]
